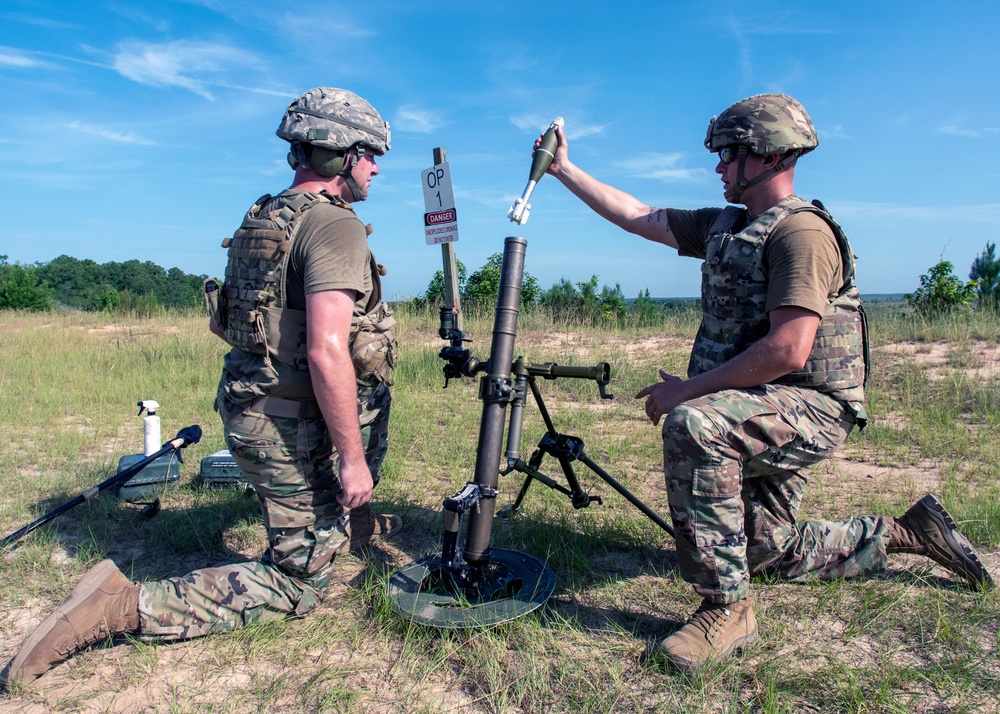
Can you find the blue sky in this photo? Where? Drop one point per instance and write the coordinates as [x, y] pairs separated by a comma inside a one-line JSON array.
[[145, 130]]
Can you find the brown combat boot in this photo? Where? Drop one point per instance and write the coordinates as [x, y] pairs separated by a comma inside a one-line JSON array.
[[928, 529], [103, 604], [710, 635], [366, 526]]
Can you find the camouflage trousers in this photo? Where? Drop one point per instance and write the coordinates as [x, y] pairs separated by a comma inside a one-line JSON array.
[[733, 465], [293, 467]]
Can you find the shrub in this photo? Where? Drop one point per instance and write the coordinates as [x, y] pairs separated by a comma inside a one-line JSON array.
[[941, 291]]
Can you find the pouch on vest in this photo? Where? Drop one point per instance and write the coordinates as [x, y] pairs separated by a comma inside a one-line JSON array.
[[213, 305], [373, 346]]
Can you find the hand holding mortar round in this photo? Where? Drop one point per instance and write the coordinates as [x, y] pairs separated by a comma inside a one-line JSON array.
[[543, 156]]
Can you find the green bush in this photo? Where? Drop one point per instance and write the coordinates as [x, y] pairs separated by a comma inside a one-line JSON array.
[[941, 291], [85, 284]]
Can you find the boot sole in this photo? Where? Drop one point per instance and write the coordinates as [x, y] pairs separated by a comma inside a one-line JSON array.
[[88, 583], [968, 564]]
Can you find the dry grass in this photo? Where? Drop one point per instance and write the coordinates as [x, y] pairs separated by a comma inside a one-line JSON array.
[[909, 641]]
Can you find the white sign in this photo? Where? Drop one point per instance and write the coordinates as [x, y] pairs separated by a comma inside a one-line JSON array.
[[440, 220]]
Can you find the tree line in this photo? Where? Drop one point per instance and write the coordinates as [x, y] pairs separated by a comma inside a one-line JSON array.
[[576, 301], [131, 286], [145, 287], [940, 292]]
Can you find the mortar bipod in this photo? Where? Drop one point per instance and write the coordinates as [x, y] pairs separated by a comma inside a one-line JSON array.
[[564, 448]]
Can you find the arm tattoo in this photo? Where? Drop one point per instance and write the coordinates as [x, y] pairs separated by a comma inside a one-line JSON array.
[[656, 215]]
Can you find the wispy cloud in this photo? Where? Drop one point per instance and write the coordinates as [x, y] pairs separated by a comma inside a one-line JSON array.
[[417, 119], [121, 137], [743, 49], [14, 58], [323, 27], [531, 122], [833, 131], [578, 131], [34, 20], [969, 132], [663, 167], [194, 66], [537, 122]]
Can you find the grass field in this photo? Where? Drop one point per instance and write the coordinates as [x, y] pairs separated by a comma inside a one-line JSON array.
[[912, 640]]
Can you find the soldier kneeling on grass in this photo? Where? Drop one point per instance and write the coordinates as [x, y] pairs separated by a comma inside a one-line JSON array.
[[304, 399], [775, 383]]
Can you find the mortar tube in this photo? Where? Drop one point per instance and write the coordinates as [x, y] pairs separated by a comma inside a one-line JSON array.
[[491, 426]]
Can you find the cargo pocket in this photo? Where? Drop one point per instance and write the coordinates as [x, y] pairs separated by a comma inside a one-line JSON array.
[[715, 482]]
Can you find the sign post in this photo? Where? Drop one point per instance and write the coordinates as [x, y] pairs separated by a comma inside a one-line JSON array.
[[441, 225]]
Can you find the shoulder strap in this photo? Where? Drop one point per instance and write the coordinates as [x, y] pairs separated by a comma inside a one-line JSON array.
[[846, 253]]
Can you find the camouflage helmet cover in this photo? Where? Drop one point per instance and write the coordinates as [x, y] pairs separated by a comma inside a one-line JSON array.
[[334, 119], [765, 124]]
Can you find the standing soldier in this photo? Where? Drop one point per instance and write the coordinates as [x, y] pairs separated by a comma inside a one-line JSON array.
[[304, 399], [775, 383]]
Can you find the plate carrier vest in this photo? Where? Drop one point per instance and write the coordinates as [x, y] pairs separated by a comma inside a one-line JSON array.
[[252, 308], [733, 296]]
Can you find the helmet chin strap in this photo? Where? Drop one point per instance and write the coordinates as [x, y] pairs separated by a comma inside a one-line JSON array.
[[357, 191], [741, 182]]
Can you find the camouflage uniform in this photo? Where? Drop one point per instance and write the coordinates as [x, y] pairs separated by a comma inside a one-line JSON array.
[[297, 244], [733, 459], [278, 437], [733, 463], [293, 467]]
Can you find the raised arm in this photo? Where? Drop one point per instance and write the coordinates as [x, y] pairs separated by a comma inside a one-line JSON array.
[[618, 207]]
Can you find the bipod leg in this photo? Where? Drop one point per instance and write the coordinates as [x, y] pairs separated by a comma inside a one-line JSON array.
[[560, 446], [508, 511], [629, 496], [533, 474], [567, 449]]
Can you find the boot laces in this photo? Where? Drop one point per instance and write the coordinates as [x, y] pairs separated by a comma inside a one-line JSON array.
[[84, 640], [710, 618]]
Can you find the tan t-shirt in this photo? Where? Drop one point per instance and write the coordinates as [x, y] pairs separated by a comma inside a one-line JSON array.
[[802, 258], [330, 252]]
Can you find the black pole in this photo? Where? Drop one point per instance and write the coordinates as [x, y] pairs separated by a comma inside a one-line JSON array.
[[496, 391], [188, 435]]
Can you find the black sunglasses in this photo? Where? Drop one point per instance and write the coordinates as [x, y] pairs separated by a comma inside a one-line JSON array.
[[728, 154]]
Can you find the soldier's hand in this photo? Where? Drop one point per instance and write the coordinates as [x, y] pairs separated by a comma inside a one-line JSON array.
[[662, 396], [356, 484], [561, 155]]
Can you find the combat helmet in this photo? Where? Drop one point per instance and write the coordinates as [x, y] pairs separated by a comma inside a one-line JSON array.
[[328, 128], [763, 124]]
